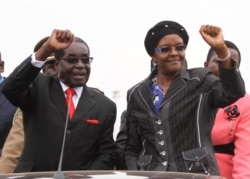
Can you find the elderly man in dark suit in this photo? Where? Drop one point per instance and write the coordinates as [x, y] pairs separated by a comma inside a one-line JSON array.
[[7, 111], [89, 143]]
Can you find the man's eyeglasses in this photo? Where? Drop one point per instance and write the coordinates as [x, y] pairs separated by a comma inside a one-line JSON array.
[[167, 49], [74, 60], [1, 63]]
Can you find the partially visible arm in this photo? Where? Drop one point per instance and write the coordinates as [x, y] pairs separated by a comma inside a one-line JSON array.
[[232, 85], [16, 87], [58, 40], [121, 143], [13, 145], [241, 158], [214, 37]]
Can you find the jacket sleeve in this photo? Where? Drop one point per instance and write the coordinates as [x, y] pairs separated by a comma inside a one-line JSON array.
[[16, 87], [229, 89], [121, 143]]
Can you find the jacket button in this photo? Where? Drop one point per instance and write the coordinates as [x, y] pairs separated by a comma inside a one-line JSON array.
[[164, 163], [160, 132], [158, 122], [163, 153], [161, 142]]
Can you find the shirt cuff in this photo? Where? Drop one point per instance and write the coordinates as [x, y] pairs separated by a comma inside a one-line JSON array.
[[35, 62]]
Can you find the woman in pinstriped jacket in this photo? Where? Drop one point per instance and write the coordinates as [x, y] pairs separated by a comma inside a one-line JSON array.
[[170, 114]]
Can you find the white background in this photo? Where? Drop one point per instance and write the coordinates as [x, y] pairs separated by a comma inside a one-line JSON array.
[[115, 31]]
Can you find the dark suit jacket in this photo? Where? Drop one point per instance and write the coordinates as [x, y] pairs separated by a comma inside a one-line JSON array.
[[88, 146], [7, 112]]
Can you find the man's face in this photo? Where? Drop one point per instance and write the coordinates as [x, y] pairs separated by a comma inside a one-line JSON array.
[[71, 70], [213, 63], [1, 65]]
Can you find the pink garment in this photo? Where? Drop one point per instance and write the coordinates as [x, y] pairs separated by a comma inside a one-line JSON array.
[[235, 166]]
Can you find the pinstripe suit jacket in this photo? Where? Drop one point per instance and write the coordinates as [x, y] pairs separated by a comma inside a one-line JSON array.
[[41, 99], [156, 141]]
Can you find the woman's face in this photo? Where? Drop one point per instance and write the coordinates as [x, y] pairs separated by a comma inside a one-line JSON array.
[[169, 54]]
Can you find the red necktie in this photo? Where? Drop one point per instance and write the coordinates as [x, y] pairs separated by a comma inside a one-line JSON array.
[[69, 94]]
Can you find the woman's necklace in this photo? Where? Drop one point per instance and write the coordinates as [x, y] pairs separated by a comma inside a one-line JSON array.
[[163, 90]]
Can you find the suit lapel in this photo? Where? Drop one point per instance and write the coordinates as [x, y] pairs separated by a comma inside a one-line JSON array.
[[58, 98], [146, 94], [85, 104], [86, 101], [177, 85]]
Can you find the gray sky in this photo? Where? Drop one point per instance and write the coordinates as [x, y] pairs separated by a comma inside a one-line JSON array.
[[115, 31]]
